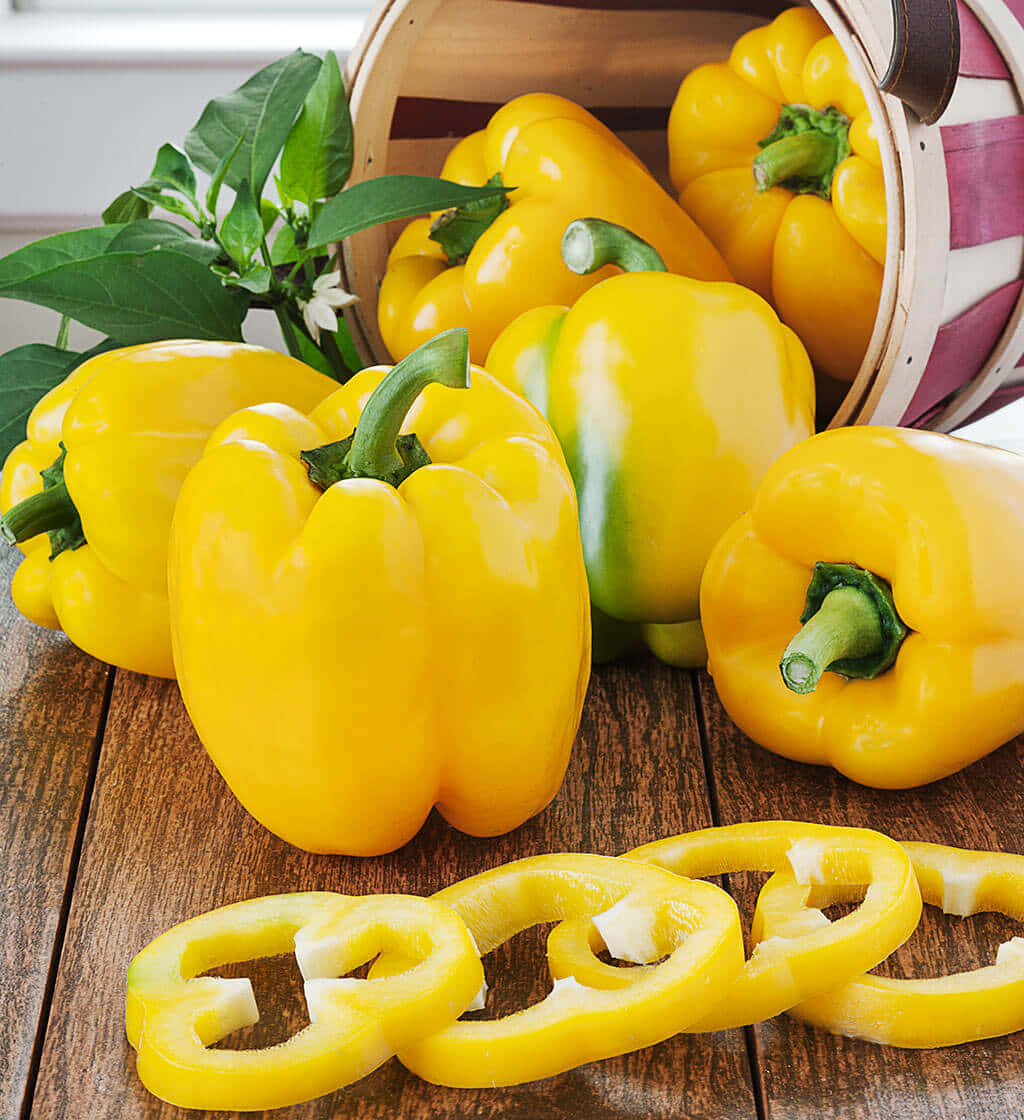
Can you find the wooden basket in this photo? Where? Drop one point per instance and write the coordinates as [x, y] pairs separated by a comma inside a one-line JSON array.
[[949, 333]]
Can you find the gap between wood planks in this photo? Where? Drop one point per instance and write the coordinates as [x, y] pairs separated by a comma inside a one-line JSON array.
[[749, 1035], [65, 904]]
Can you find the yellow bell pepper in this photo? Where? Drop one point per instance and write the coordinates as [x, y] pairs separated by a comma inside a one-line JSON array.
[[366, 624], [776, 159], [671, 397], [480, 267], [112, 445], [647, 914], [174, 1015], [899, 552], [941, 1011], [784, 969]]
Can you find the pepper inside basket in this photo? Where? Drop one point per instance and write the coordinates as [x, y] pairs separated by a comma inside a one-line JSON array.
[[949, 331]]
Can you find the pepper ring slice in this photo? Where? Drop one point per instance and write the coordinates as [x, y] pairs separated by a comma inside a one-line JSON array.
[[781, 971], [174, 1014], [923, 1013], [694, 925]]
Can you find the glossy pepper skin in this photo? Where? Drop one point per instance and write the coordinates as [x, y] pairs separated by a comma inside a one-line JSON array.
[[563, 164], [815, 951], [646, 914], [670, 397], [941, 521], [353, 656], [818, 260], [133, 422], [174, 1015], [928, 1012]]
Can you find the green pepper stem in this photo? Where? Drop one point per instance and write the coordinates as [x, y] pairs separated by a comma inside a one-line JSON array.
[[846, 625], [44, 512], [590, 243], [803, 150], [443, 360], [806, 155]]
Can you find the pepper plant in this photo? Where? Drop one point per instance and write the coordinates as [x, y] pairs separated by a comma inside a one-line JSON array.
[[198, 273]]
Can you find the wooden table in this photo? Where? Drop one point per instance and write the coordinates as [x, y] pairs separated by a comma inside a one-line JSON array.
[[116, 826]]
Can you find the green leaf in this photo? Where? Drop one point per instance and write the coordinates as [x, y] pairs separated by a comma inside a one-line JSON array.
[[260, 112], [282, 194], [52, 252], [269, 214], [349, 353], [155, 233], [27, 374], [457, 230], [135, 297], [317, 156], [391, 196], [126, 207], [283, 251], [213, 192], [242, 230], [173, 170], [155, 197], [256, 278]]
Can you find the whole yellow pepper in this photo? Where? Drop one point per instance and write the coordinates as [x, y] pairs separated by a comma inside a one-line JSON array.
[[112, 445], [671, 397], [899, 551], [367, 624], [480, 268], [776, 159]]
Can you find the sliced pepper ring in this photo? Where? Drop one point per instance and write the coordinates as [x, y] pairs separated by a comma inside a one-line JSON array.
[[174, 1015], [694, 925], [814, 954], [922, 1013]]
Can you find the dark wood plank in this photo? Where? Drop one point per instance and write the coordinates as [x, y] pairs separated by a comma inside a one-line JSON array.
[[807, 1072], [166, 840], [51, 699]]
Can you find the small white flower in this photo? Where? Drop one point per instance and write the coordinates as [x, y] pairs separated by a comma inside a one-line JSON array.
[[318, 311]]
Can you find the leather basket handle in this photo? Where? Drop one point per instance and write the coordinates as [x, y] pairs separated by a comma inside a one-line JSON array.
[[925, 55]]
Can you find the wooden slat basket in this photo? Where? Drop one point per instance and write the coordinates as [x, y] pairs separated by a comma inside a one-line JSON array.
[[948, 342]]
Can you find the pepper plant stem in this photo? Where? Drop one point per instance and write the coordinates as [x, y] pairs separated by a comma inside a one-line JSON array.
[[287, 331], [281, 312], [40, 513], [590, 243], [331, 351], [846, 625]]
